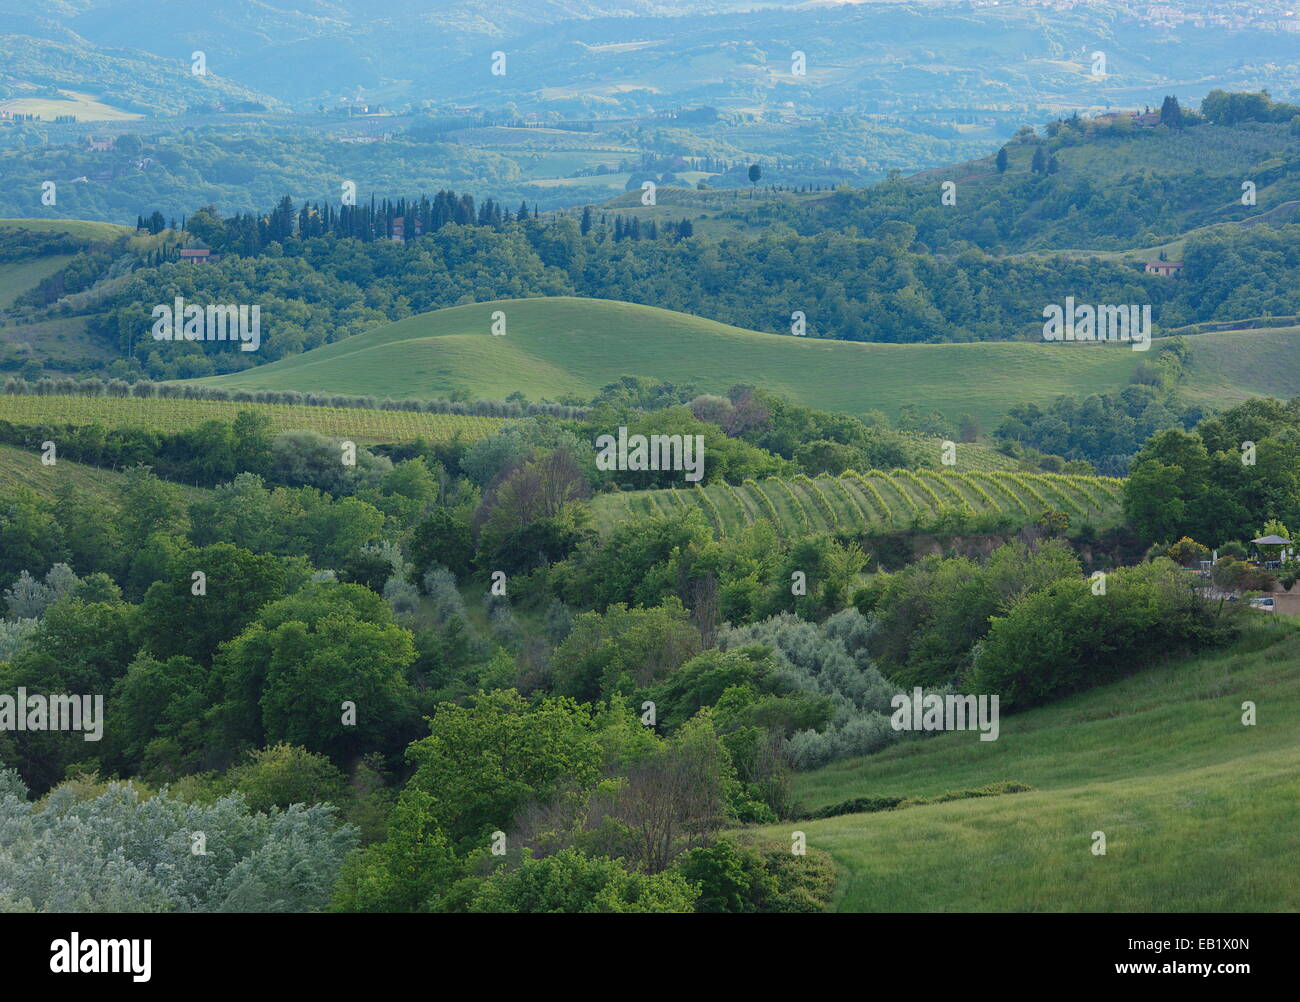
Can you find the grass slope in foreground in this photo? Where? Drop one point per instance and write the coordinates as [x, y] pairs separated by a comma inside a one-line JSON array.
[[168, 414], [563, 345], [1199, 810]]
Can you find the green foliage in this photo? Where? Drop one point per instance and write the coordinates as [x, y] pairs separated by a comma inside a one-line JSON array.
[[1202, 483], [182, 615], [1105, 429], [283, 775], [820, 663], [30, 537], [930, 615], [749, 875], [155, 716], [291, 675], [115, 848], [866, 805], [623, 651], [444, 539], [572, 882], [631, 566], [480, 763], [1065, 637]]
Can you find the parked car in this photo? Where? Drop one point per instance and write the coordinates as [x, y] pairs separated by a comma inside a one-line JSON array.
[[1263, 604]]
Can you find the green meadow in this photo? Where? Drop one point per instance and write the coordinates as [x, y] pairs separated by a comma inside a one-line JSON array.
[[1231, 366], [18, 277], [72, 102], [558, 346], [84, 228], [23, 470], [1199, 811]]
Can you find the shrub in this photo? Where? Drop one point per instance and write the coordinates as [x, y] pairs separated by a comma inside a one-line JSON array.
[[573, 882], [829, 660], [748, 876], [1064, 637], [95, 847]]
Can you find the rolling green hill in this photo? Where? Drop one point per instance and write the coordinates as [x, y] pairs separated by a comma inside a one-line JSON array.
[[1198, 809], [1229, 366], [562, 345]]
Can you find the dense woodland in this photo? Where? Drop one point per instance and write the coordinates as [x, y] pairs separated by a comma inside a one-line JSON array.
[[463, 586]]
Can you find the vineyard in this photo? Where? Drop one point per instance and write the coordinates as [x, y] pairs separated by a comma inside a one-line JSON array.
[[172, 415], [968, 456], [880, 501]]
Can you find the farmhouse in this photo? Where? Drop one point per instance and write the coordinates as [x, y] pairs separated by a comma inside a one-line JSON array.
[[198, 255], [99, 145], [1167, 269]]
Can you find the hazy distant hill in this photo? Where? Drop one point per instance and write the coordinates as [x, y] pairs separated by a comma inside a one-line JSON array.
[[629, 53]]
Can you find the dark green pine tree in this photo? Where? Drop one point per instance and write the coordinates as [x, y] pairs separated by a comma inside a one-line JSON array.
[[1171, 114]]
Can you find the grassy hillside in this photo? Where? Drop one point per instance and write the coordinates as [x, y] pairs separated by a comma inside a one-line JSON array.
[[71, 102], [65, 339], [85, 228], [1229, 366], [877, 500], [1198, 809], [175, 415], [564, 345], [18, 277], [19, 468]]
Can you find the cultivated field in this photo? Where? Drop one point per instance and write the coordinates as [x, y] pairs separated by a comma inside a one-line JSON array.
[[877, 500], [171, 415], [84, 106], [85, 228]]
